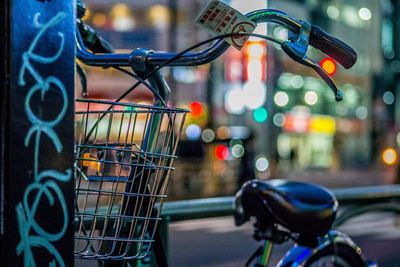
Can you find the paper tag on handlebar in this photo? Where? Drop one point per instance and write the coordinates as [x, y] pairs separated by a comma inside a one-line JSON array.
[[219, 18]]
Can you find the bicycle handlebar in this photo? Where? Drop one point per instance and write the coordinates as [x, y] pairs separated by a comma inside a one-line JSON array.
[[301, 34], [319, 39], [188, 59]]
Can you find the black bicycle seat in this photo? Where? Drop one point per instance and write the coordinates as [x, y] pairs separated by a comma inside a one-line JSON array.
[[300, 207]]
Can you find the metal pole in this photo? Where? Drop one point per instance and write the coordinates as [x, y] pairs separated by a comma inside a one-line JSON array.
[[37, 132], [4, 70]]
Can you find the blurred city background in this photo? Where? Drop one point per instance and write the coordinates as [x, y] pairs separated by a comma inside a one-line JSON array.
[[257, 113]]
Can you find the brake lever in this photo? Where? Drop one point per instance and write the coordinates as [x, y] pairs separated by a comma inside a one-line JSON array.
[[296, 47], [306, 61]]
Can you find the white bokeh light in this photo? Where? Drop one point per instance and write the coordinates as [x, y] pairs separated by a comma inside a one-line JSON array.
[[254, 71], [254, 94], [279, 119], [281, 99], [234, 103], [333, 12], [311, 98], [208, 135], [262, 164], [238, 151], [364, 13]]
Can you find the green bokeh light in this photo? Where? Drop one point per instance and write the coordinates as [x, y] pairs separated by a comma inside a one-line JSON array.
[[260, 115]]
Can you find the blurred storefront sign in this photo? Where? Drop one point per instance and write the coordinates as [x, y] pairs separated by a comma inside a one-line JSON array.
[[246, 74], [310, 124], [248, 65]]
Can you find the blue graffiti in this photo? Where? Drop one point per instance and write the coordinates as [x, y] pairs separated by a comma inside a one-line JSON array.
[[45, 186]]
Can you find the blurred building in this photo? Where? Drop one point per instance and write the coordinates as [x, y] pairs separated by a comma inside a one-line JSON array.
[[315, 130], [310, 129], [259, 94]]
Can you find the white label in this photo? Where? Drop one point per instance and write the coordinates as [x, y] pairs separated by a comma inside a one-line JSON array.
[[219, 18]]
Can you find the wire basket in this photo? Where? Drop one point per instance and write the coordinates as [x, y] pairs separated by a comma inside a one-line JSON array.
[[123, 155]]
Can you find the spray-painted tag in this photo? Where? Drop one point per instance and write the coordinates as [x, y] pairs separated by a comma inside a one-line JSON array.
[[219, 18]]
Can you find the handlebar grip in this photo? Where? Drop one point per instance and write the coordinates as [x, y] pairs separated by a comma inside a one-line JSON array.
[[333, 47], [102, 46], [93, 40]]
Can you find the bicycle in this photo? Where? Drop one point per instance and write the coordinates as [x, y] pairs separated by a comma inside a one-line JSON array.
[[131, 175]]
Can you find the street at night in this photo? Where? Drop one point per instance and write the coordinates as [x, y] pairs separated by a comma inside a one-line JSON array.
[[132, 130], [218, 243]]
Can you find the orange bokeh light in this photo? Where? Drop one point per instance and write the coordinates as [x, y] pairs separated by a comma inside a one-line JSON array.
[[328, 65], [389, 156], [196, 109]]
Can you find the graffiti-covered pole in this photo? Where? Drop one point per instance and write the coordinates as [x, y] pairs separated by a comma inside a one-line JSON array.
[[37, 111]]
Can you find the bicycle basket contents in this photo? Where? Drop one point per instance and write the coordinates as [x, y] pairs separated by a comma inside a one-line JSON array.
[[123, 155]]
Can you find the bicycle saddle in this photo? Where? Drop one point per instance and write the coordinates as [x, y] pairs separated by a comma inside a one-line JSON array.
[[300, 207]]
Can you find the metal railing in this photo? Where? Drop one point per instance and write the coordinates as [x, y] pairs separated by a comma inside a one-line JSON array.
[[174, 211]]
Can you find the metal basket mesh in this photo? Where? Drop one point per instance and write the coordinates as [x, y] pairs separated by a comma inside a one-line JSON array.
[[123, 156]]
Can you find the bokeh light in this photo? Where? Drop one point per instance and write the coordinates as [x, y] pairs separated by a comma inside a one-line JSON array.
[[234, 102], [99, 20], [223, 133], [388, 98], [261, 164], [279, 119], [237, 151], [159, 16], [311, 98], [221, 152], [196, 109], [296, 81], [361, 112], [281, 99], [122, 19], [389, 156], [328, 65], [208, 135], [193, 132], [260, 115], [254, 94], [333, 12], [364, 13]]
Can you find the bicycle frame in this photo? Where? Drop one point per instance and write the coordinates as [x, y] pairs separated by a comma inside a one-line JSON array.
[[298, 255]]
